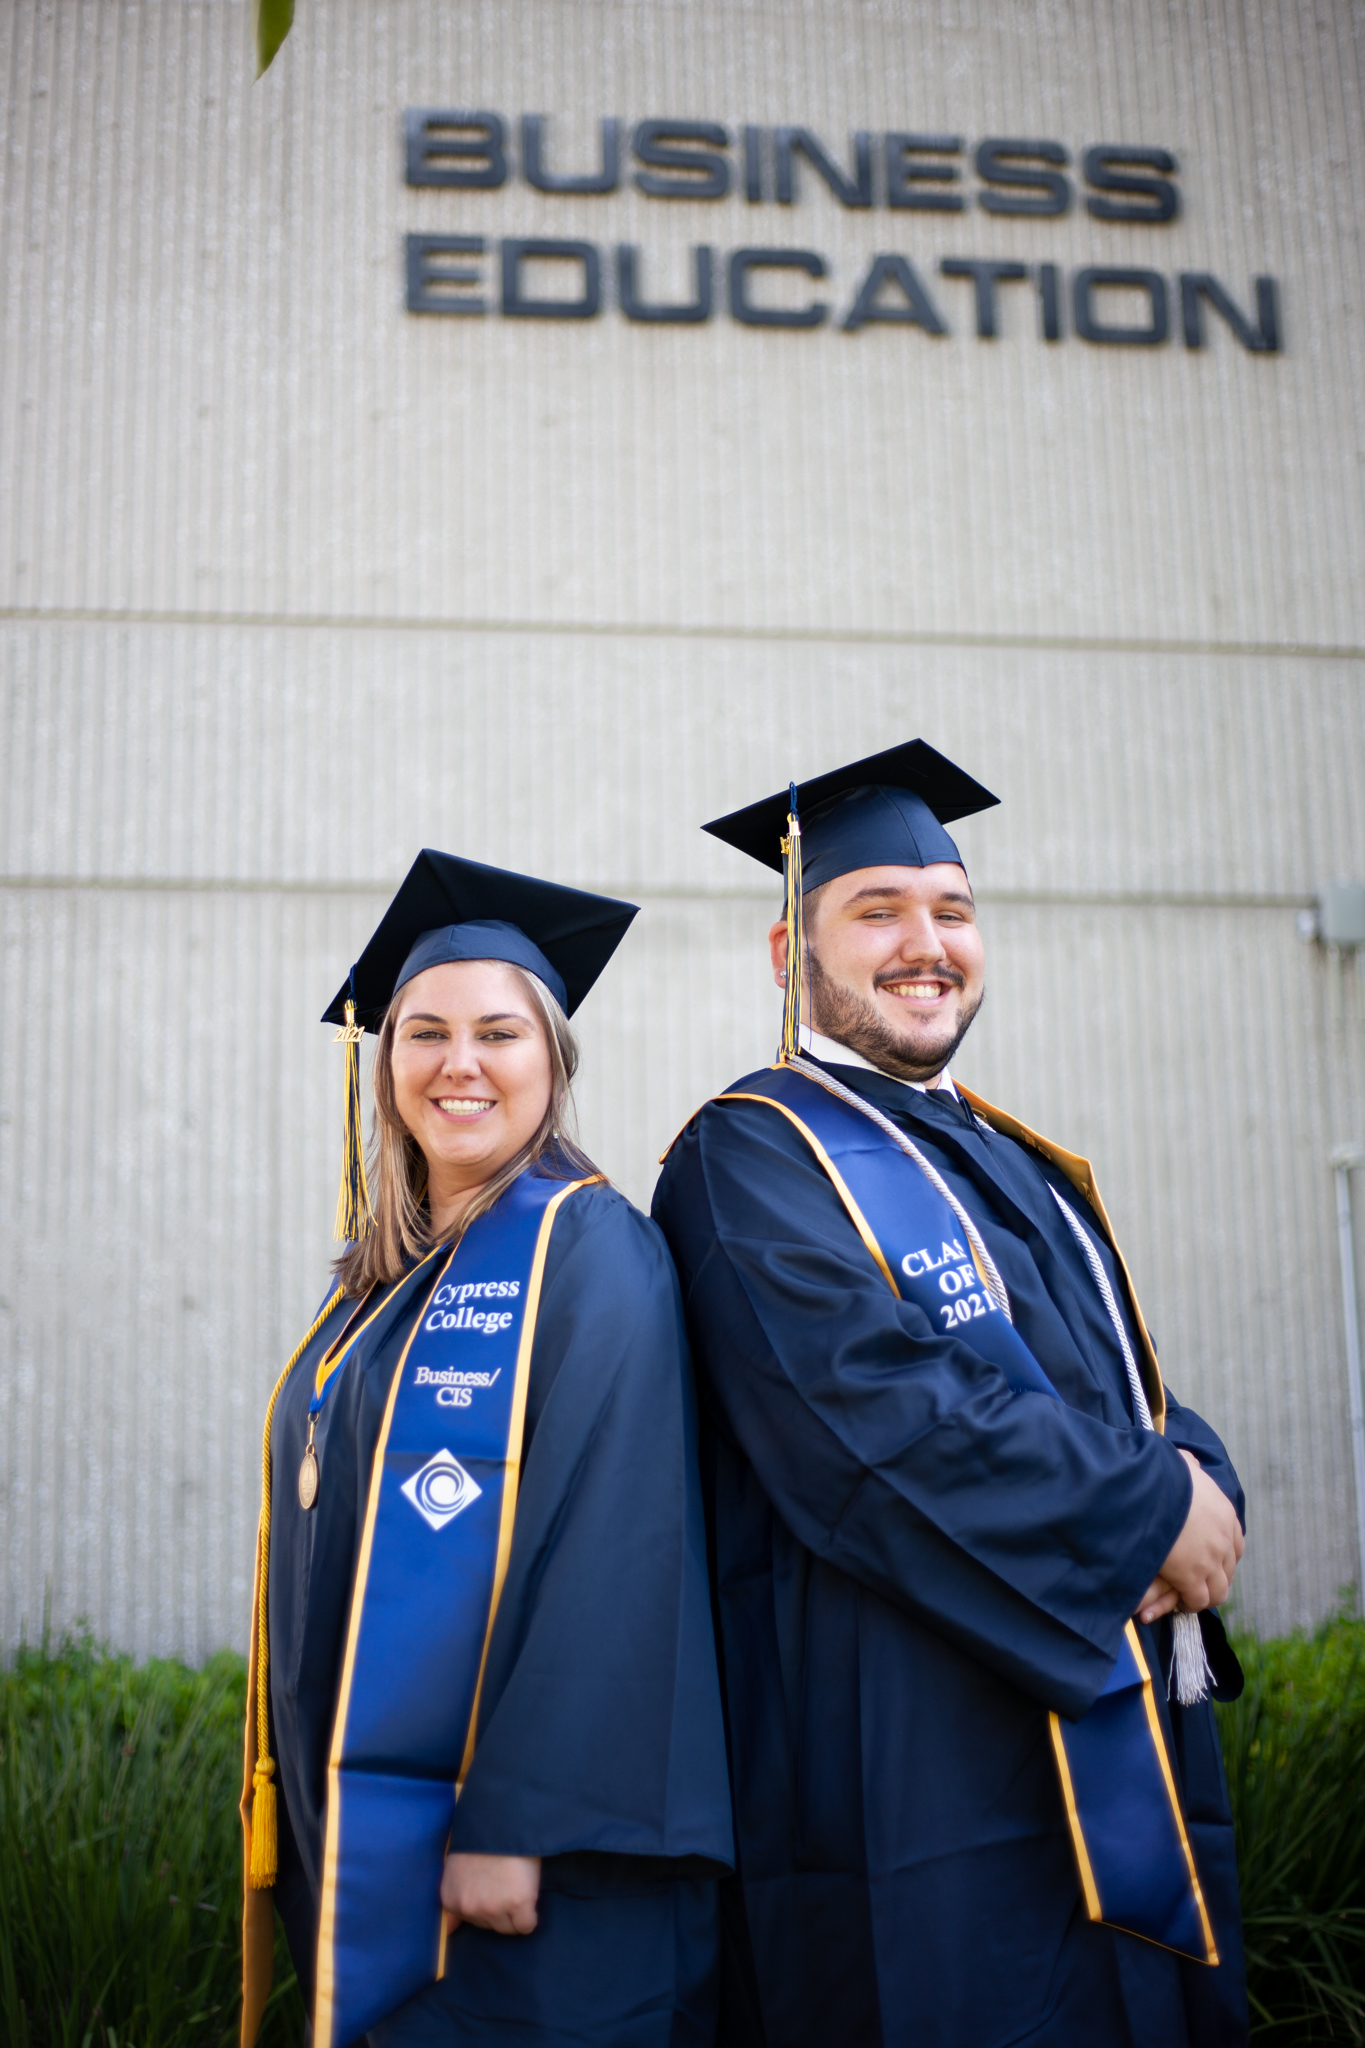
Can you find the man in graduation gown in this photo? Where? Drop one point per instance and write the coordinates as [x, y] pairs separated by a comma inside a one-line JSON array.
[[924, 1573]]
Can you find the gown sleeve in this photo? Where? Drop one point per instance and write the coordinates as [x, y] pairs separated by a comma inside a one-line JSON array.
[[600, 1725], [1189, 1432], [1022, 1530]]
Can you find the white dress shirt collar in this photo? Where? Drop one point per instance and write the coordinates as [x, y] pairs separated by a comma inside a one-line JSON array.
[[837, 1055]]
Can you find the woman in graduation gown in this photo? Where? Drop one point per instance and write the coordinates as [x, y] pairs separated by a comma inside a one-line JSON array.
[[486, 1780]]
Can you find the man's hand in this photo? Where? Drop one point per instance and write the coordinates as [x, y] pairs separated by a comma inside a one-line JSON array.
[[496, 1892], [1198, 1572]]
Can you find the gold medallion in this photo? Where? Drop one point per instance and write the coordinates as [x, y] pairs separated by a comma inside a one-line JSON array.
[[308, 1477]]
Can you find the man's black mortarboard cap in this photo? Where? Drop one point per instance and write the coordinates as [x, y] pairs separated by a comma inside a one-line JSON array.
[[453, 909], [888, 810]]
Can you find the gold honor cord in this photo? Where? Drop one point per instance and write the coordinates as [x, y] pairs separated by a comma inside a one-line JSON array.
[[796, 934], [264, 1853]]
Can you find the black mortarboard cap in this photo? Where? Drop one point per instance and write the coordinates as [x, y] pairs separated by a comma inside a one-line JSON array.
[[453, 909], [888, 810]]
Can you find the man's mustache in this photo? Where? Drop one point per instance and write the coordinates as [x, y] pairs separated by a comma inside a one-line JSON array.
[[946, 973]]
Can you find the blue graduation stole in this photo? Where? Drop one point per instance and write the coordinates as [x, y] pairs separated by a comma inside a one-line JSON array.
[[1118, 1788], [430, 1568]]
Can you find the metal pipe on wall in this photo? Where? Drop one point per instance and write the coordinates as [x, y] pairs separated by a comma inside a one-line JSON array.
[[1344, 1160]]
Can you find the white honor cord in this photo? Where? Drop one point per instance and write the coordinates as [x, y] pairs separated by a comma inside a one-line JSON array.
[[1190, 1673], [995, 1286], [1101, 1279]]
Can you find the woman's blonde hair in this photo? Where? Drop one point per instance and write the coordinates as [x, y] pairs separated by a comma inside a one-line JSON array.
[[397, 1167]]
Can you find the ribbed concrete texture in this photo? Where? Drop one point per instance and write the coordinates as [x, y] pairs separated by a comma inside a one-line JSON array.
[[294, 581]]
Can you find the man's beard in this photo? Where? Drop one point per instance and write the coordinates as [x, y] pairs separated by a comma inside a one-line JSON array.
[[842, 1013]]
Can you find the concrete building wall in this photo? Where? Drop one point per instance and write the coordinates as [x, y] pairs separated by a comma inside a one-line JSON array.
[[294, 581]]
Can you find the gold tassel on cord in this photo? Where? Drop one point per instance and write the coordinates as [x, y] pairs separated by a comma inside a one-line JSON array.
[[264, 1850], [796, 935], [264, 1862], [355, 1218]]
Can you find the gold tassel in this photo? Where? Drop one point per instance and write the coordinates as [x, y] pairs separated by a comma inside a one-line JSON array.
[[355, 1217], [264, 1850], [796, 935]]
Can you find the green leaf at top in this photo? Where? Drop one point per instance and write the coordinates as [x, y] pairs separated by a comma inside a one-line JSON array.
[[274, 19]]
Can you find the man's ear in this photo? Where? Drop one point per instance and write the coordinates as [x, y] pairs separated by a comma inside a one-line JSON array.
[[777, 947]]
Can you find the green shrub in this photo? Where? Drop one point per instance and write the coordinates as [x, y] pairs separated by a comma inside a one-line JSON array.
[[1294, 1746], [120, 1852], [120, 1855]]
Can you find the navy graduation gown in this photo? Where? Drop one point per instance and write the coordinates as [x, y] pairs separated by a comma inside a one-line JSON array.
[[909, 1572], [600, 1744]]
